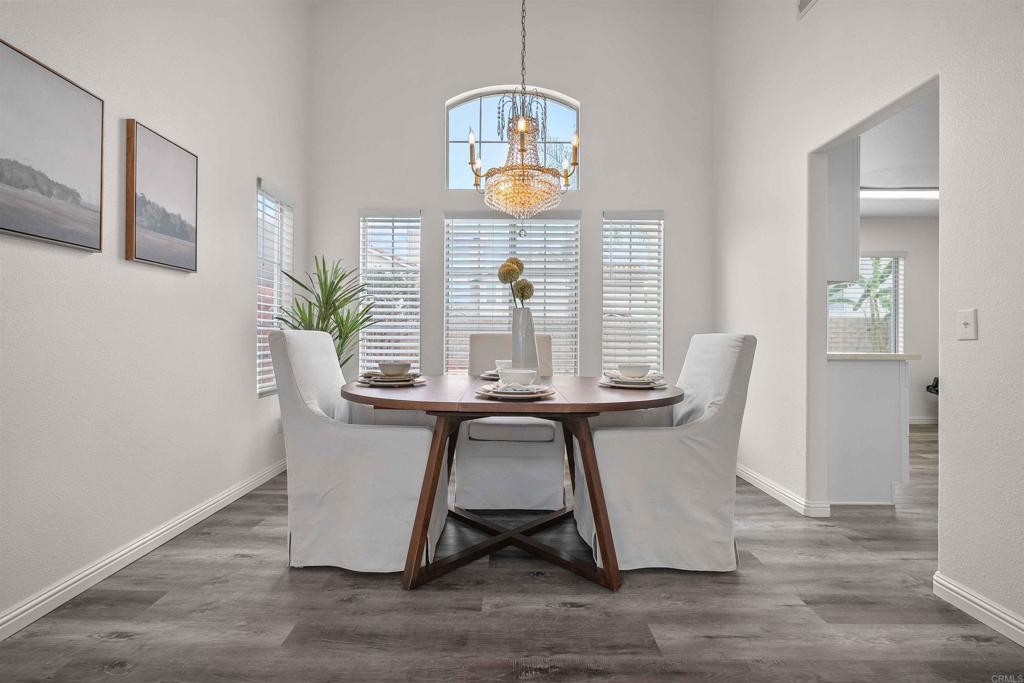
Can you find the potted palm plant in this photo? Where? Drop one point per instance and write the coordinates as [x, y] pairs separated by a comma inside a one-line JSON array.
[[331, 299]]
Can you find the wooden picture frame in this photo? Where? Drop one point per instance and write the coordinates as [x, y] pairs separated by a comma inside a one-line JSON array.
[[161, 200], [51, 154]]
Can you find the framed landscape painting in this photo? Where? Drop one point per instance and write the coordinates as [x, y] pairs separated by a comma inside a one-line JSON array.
[[162, 200], [51, 154]]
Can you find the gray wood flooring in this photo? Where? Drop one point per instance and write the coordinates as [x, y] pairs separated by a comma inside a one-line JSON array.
[[840, 599]]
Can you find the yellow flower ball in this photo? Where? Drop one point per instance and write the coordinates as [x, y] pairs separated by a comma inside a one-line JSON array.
[[523, 289], [507, 273], [517, 263]]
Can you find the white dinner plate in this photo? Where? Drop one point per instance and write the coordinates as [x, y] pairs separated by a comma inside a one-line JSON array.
[[417, 382], [378, 378], [516, 397], [649, 379], [515, 388], [538, 391], [616, 385]]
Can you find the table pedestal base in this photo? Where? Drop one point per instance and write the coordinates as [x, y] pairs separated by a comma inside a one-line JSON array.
[[518, 537], [446, 428]]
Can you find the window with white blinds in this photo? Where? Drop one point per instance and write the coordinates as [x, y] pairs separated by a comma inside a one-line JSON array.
[[474, 300], [866, 316], [633, 291], [274, 227], [389, 266]]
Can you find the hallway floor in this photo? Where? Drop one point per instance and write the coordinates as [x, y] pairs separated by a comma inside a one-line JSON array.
[[841, 599]]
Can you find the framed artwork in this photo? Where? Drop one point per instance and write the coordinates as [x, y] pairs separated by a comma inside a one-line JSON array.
[[51, 154], [162, 200]]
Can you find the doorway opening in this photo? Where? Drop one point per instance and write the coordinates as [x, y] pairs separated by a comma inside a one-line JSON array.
[[873, 308]]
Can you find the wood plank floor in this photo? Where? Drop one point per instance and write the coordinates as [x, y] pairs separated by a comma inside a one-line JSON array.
[[840, 599]]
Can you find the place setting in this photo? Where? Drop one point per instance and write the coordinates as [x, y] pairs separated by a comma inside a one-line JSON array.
[[391, 375], [632, 376], [514, 384]]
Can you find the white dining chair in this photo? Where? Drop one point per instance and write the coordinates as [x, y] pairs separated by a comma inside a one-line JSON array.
[[352, 489], [509, 462], [670, 491]]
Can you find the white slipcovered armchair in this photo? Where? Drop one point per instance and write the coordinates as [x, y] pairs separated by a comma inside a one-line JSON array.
[[670, 491], [352, 489], [515, 463]]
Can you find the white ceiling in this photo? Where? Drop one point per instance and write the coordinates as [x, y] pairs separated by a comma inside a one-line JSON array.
[[903, 152]]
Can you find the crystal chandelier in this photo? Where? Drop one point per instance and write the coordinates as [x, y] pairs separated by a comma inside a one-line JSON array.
[[523, 186]]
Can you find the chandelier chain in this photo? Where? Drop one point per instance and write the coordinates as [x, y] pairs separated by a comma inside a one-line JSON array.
[[522, 71]]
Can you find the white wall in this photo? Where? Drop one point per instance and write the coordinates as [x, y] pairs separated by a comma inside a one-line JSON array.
[[782, 89], [641, 70], [127, 391], [919, 238]]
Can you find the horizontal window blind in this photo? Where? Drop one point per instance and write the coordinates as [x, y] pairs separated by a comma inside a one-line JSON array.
[[866, 316], [474, 300], [389, 266], [274, 247], [633, 288]]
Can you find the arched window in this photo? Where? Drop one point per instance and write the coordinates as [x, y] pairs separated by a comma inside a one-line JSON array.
[[477, 111]]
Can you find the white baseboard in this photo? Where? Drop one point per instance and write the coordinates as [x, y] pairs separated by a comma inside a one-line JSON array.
[[924, 420], [1010, 624], [27, 611], [784, 495]]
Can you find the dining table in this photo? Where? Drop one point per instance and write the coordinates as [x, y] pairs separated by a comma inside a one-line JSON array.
[[454, 399]]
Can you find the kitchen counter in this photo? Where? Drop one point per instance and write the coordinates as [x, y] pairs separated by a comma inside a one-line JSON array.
[[868, 426]]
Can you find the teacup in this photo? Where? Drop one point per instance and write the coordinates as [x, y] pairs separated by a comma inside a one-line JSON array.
[[516, 376], [503, 364], [634, 370]]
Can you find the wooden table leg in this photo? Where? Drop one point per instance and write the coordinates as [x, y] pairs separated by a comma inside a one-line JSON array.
[[453, 440], [570, 456], [580, 426], [435, 460]]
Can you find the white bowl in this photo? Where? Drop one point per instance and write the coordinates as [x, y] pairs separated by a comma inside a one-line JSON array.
[[516, 376], [394, 369], [503, 364], [634, 370]]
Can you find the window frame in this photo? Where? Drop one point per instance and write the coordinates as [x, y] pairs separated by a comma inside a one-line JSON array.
[[611, 218], [490, 90], [899, 325], [493, 217], [380, 217], [283, 289]]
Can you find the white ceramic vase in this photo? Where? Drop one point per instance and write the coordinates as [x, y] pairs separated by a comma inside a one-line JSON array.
[[524, 342]]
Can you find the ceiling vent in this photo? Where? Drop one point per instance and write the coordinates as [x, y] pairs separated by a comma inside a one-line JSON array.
[[803, 6]]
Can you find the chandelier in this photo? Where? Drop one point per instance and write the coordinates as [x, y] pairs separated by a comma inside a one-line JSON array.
[[524, 186]]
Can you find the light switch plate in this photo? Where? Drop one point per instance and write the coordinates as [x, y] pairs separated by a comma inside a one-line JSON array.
[[967, 324]]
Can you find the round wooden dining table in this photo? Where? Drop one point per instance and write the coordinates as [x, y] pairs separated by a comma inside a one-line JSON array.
[[452, 399]]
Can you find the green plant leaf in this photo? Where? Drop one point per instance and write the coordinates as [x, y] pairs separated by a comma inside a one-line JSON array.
[[333, 301]]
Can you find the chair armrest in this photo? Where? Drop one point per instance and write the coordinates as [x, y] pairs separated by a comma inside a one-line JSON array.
[[700, 435], [318, 448]]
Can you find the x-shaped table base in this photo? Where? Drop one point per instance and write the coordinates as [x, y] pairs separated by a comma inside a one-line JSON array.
[[518, 537], [445, 431]]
